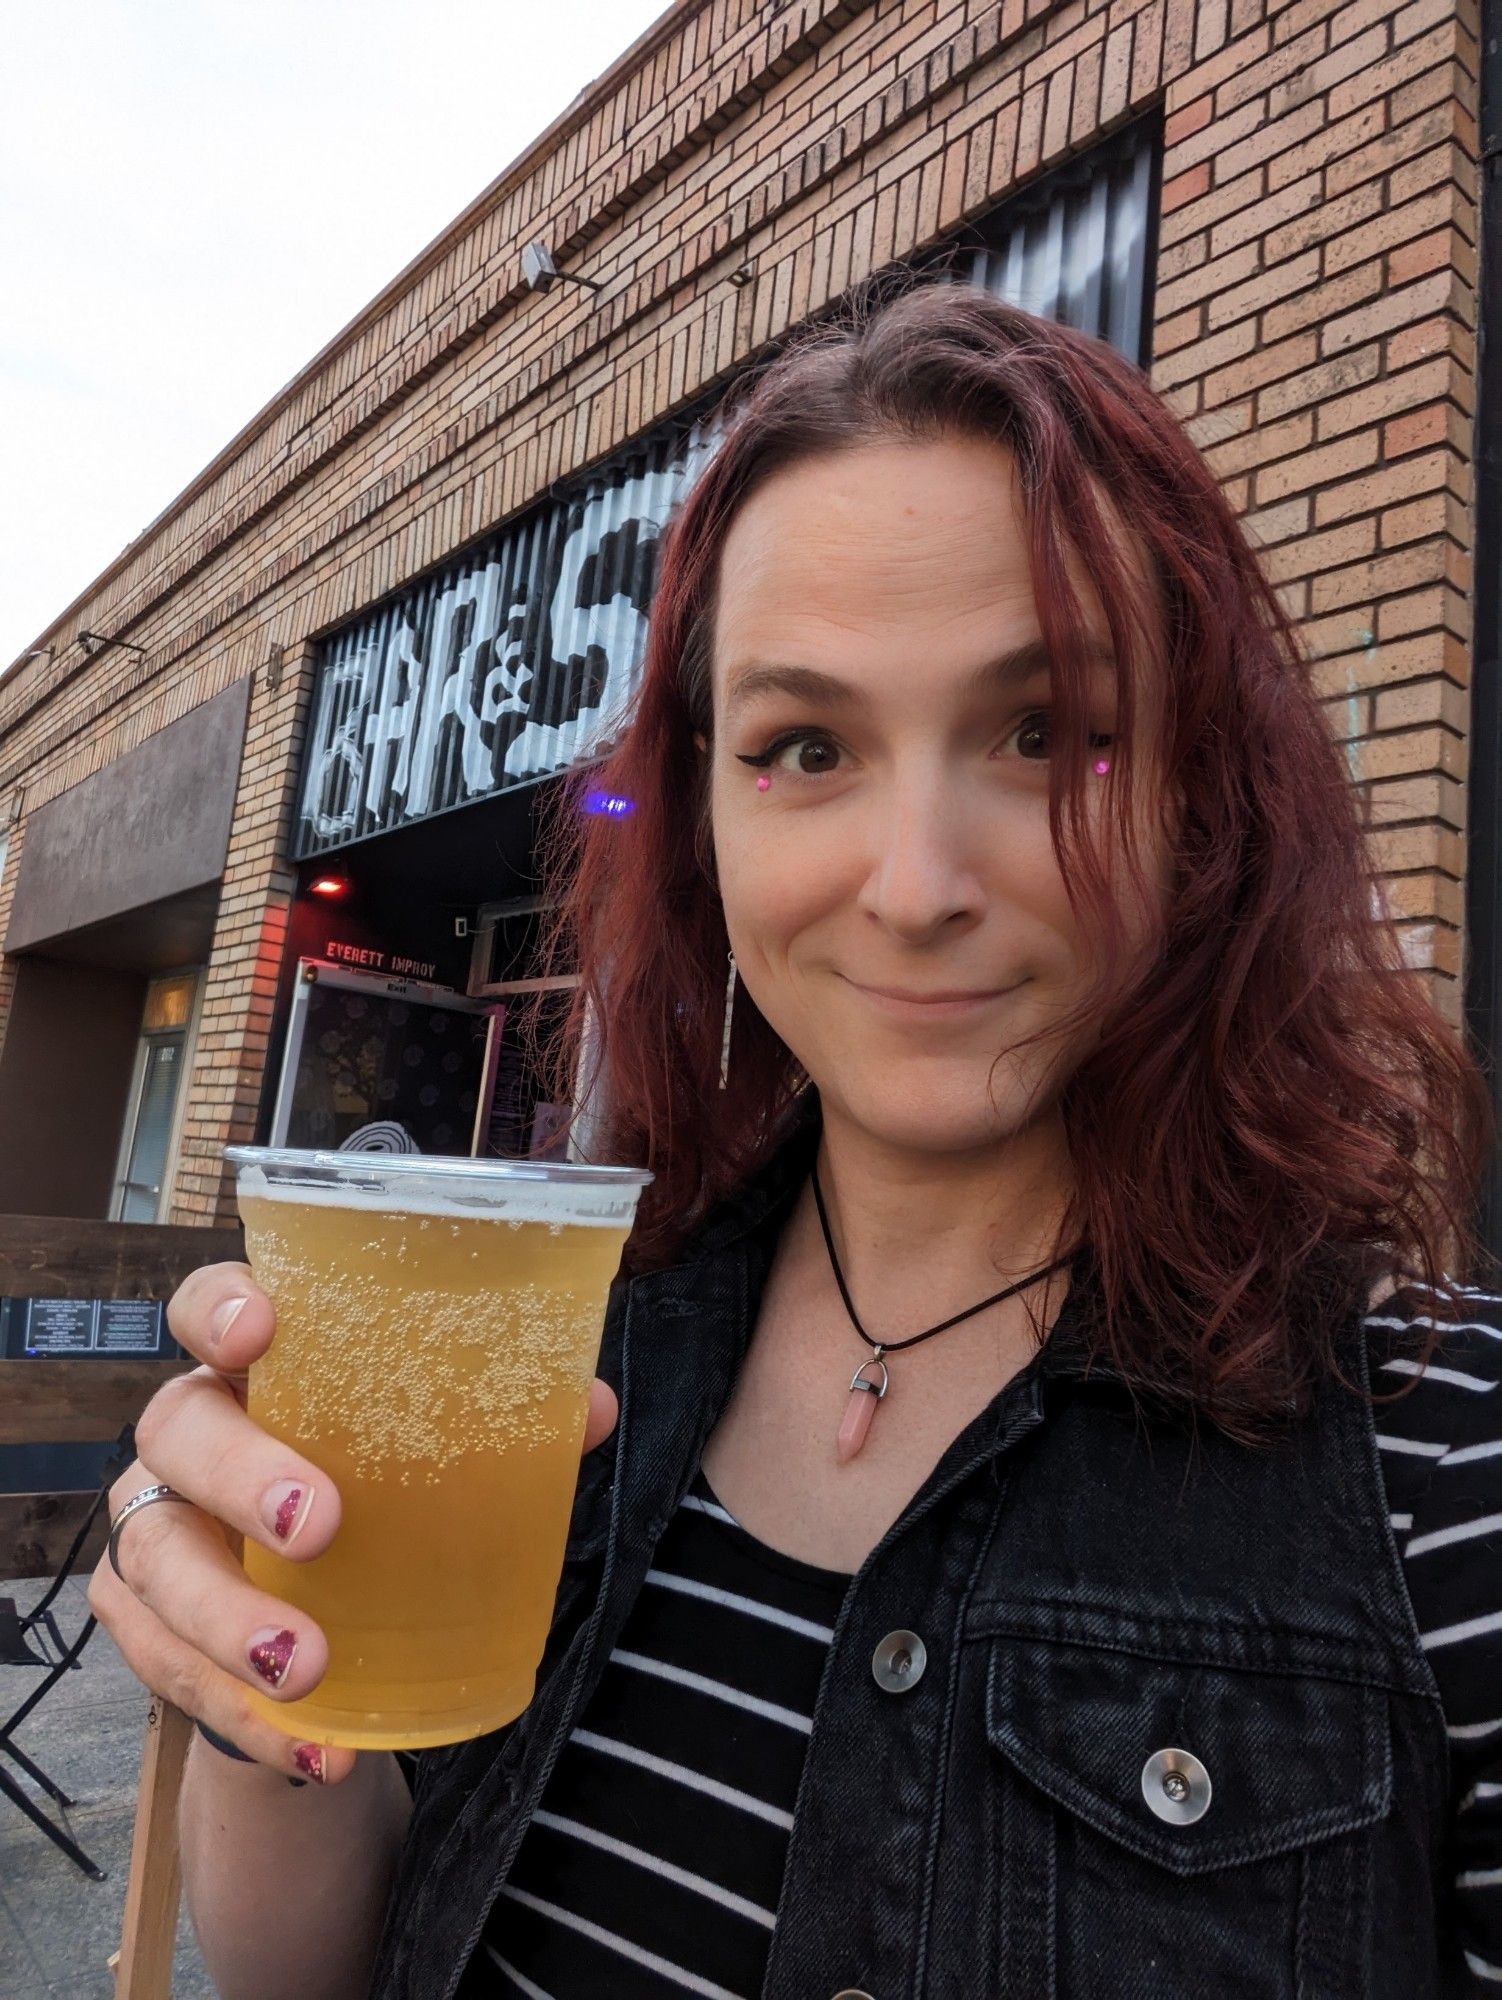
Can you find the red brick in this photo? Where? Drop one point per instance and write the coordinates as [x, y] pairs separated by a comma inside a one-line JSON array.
[[1186, 187], [1189, 119], [1415, 430], [1422, 254]]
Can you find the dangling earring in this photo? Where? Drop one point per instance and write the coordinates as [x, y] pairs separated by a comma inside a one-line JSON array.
[[729, 1005]]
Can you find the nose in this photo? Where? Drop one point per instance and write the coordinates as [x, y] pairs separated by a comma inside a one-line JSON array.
[[921, 870]]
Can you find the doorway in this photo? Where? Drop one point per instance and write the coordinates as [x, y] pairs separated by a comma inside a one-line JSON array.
[[162, 1056]]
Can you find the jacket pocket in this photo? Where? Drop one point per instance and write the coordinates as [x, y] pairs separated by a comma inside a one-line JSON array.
[[1246, 1873]]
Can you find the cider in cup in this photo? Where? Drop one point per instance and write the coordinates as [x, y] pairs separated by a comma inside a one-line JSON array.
[[438, 1327]]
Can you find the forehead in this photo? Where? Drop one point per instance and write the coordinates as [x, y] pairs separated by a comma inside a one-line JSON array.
[[882, 548]]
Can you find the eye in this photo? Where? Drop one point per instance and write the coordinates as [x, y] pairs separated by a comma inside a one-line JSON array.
[[1033, 730], [814, 744]]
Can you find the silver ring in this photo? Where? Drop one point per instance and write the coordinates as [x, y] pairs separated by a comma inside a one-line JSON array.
[[145, 1498]]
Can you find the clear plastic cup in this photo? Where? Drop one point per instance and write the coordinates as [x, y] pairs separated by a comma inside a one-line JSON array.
[[438, 1327]]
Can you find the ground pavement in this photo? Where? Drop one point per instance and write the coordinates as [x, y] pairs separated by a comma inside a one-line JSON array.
[[57, 1928]]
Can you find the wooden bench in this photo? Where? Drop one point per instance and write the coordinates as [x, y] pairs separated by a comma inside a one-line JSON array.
[[89, 1401]]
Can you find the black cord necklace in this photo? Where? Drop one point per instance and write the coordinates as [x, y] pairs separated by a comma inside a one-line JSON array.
[[867, 1392]]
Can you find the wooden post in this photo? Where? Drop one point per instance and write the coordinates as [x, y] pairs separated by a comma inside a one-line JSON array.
[[143, 1964]]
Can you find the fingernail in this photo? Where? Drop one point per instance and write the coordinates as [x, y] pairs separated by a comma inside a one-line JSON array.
[[284, 1508], [224, 1318], [271, 1653], [308, 1757]]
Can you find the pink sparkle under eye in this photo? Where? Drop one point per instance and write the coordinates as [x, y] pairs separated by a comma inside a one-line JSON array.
[[763, 783], [1102, 765]]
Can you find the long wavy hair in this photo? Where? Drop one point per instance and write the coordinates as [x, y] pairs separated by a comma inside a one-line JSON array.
[[1272, 1117]]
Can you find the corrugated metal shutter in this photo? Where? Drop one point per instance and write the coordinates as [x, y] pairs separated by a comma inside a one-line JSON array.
[[521, 658], [1076, 248]]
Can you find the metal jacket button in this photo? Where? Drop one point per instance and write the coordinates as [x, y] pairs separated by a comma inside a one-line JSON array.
[[898, 1664], [1176, 1786]]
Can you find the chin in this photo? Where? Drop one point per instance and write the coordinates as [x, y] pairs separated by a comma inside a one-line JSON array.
[[924, 1114]]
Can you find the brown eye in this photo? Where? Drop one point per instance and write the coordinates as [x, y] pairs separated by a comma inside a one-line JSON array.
[[815, 755], [1032, 732]]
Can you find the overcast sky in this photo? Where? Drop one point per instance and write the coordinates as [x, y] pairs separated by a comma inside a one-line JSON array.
[[195, 195]]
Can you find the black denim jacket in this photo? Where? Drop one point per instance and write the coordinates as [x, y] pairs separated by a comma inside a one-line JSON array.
[[1090, 1592]]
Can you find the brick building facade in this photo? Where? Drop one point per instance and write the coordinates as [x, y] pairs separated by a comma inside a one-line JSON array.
[[1311, 282]]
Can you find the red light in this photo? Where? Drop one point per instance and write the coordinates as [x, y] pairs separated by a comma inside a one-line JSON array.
[[328, 885]]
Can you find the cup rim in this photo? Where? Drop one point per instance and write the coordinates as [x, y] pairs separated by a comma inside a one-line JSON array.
[[321, 1165]]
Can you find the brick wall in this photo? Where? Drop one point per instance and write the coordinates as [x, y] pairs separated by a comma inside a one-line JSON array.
[[1314, 325]]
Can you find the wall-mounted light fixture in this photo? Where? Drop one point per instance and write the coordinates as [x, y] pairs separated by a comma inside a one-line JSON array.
[[332, 884], [47, 653], [272, 672], [95, 642], [742, 275], [541, 273]]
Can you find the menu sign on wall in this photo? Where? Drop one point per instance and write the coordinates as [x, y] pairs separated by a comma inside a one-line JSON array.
[[59, 1326], [112, 1329]]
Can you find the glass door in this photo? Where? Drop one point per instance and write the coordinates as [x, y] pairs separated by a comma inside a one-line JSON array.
[[146, 1159], [151, 1126]]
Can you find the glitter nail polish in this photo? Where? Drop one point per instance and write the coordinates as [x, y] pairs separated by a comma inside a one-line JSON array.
[[271, 1653], [308, 1757], [285, 1507]]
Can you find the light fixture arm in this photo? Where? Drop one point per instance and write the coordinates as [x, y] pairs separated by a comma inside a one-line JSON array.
[[96, 642]]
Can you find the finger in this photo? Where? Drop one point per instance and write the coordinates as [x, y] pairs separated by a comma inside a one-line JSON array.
[[169, 1667], [604, 1409], [195, 1436], [176, 1562], [221, 1315]]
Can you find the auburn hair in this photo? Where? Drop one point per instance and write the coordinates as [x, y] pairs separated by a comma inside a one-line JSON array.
[[1273, 1119]]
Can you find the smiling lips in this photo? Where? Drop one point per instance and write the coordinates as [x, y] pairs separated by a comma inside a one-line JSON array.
[[930, 1005]]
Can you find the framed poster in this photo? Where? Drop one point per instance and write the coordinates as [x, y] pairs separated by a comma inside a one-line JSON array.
[[383, 1065]]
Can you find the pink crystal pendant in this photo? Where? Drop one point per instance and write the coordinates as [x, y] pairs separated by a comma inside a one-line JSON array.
[[865, 1393]]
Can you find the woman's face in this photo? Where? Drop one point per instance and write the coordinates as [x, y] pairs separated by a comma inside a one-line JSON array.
[[903, 841]]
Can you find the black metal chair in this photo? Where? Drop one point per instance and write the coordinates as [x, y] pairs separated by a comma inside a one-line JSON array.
[[59, 1657]]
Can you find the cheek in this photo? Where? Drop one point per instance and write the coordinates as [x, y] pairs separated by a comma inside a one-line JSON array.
[[780, 884], [771, 902]]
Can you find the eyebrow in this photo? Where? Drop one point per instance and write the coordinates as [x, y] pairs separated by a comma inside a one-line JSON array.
[[1009, 670]]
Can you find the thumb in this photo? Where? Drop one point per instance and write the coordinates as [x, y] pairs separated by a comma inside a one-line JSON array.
[[603, 1412]]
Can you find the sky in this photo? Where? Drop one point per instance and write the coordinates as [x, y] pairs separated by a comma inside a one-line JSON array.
[[195, 195]]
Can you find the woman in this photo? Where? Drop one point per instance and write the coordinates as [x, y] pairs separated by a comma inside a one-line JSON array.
[[996, 1584]]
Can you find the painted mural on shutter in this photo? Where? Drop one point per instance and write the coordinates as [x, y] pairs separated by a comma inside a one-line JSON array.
[[520, 659]]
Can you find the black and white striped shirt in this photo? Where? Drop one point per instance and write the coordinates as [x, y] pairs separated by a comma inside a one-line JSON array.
[[654, 1864]]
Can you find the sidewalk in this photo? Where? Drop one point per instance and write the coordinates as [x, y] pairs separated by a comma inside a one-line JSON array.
[[57, 1928]]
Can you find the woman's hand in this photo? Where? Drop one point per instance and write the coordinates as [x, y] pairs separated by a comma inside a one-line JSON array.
[[189, 1622]]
